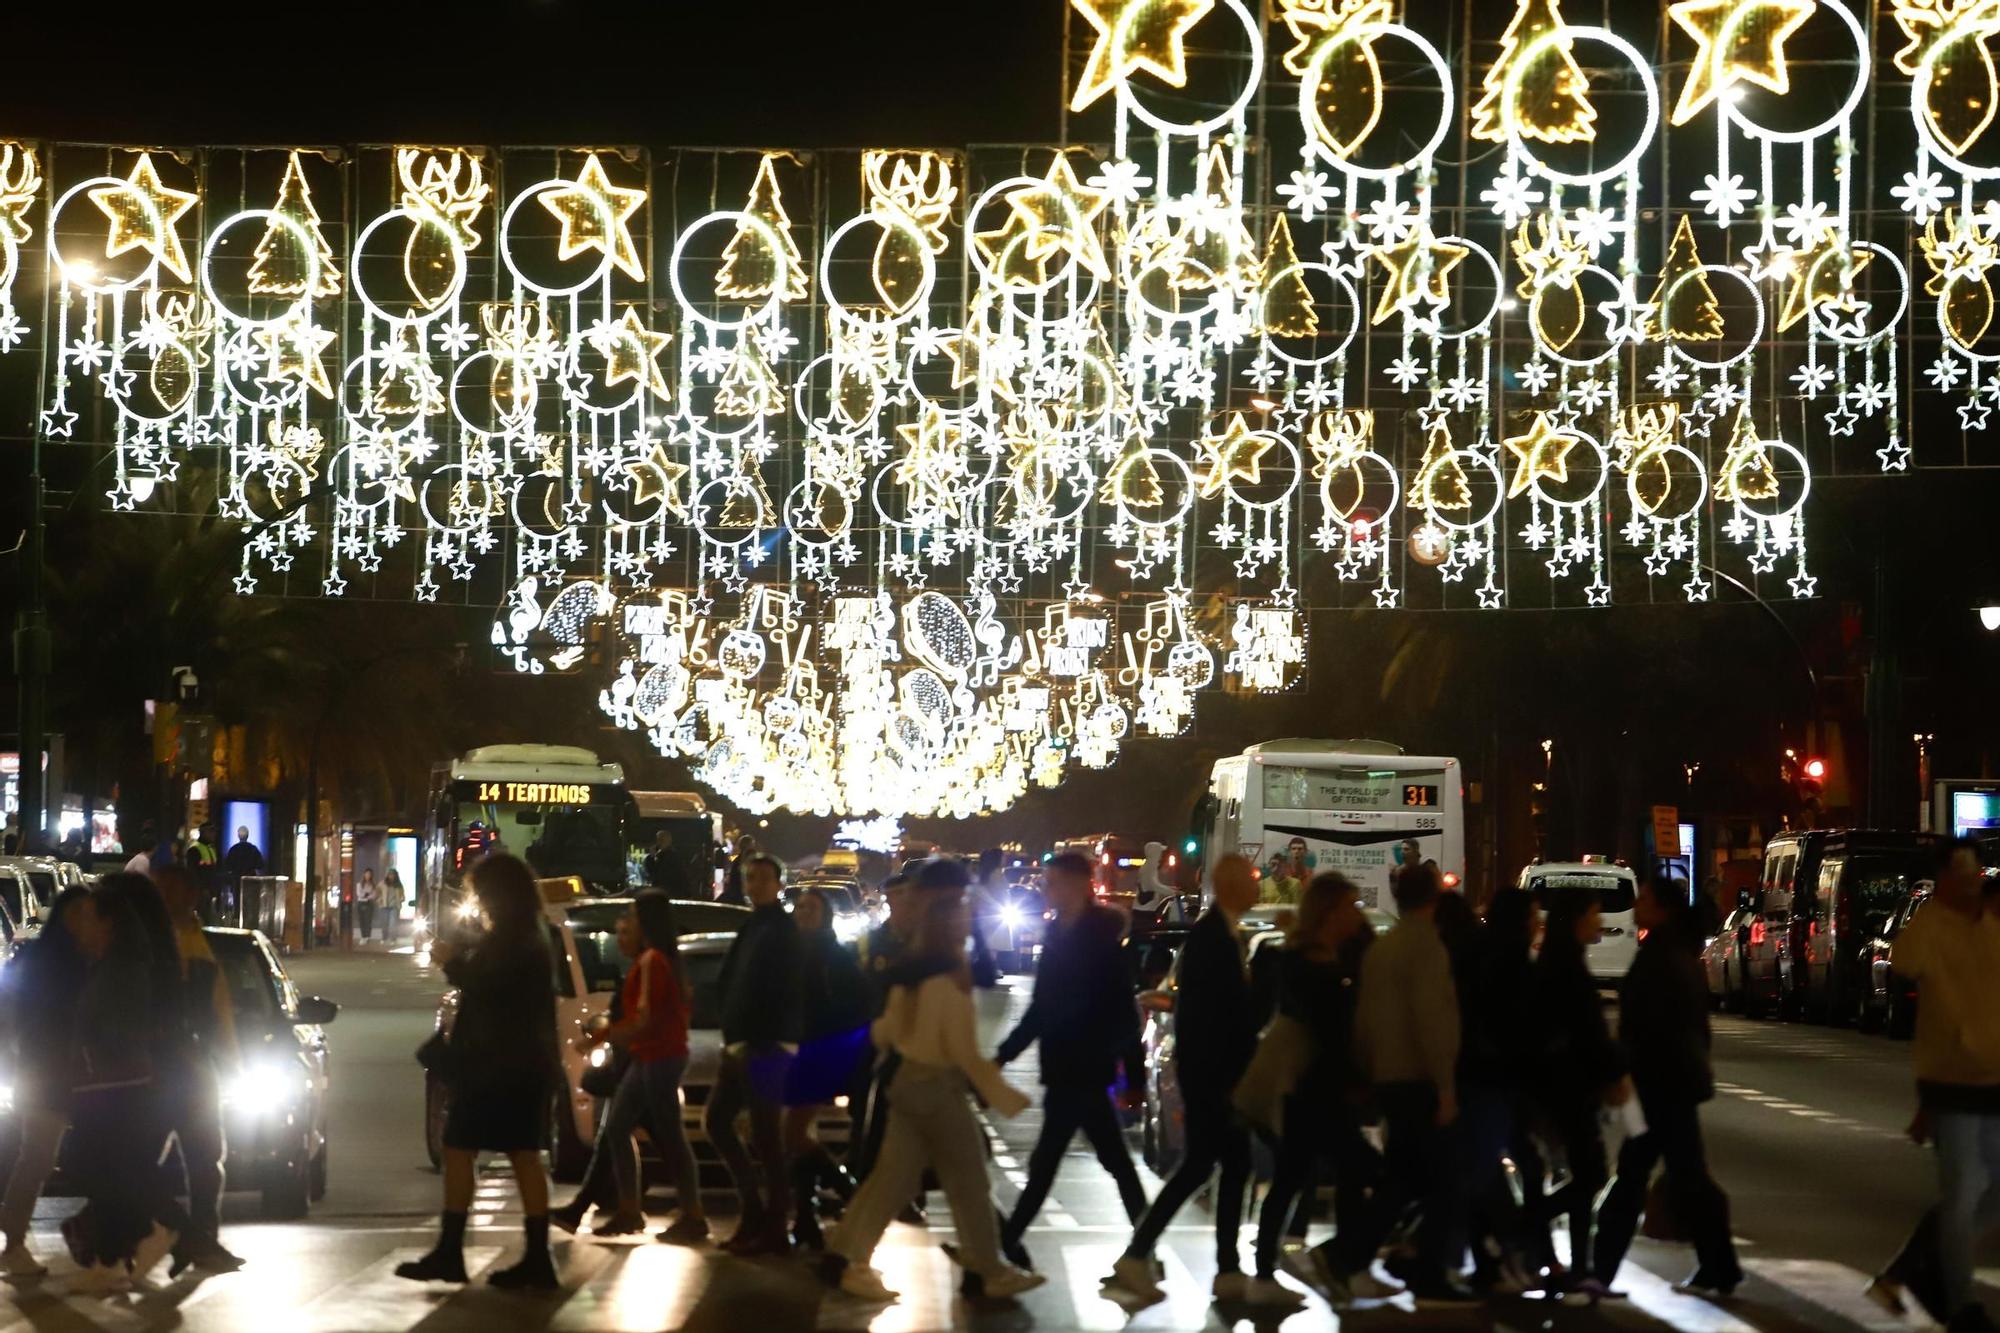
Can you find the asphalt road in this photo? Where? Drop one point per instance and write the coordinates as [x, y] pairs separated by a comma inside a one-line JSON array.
[[1806, 1135]]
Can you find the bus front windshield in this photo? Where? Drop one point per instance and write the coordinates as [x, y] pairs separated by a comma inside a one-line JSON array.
[[555, 840]]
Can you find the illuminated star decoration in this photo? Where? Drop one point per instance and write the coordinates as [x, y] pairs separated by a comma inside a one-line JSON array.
[[1739, 39], [1236, 454], [143, 212], [1038, 225], [1135, 35], [594, 214], [1419, 273], [935, 463], [658, 476], [294, 349], [631, 351], [1543, 453], [1816, 278]]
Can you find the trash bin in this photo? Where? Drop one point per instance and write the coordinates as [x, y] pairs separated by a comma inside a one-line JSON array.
[[260, 905]]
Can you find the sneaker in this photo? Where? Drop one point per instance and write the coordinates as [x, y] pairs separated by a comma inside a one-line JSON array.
[[1443, 1292], [159, 1242], [620, 1224], [1885, 1292], [1007, 1282], [685, 1231], [1229, 1287], [17, 1263], [1365, 1286], [1272, 1294], [1135, 1276], [1710, 1286], [862, 1281]]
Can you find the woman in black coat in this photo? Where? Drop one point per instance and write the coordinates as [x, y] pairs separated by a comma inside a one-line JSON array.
[[1582, 1071], [42, 986], [838, 1009], [502, 1071]]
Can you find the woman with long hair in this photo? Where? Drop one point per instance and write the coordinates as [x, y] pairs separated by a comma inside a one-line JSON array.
[[42, 987], [837, 1008], [1581, 1072], [502, 1072], [652, 1032], [929, 1025]]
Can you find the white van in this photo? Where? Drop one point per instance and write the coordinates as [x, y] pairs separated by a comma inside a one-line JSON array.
[[1616, 887]]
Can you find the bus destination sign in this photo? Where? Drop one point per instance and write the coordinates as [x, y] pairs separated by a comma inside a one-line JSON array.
[[528, 793]]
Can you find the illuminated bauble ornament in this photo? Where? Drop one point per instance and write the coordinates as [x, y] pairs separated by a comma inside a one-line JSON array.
[[1192, 662], [741, 655], [937, 632]]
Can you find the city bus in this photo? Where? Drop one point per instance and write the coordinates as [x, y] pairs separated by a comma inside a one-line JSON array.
[[1350, 805], [557, 807], [1115, 863]]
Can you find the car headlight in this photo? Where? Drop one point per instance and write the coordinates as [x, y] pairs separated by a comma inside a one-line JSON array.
[[263, 1088], [847, 929], [467, 910], [6, 1098], [419, 923], [1010, 917]]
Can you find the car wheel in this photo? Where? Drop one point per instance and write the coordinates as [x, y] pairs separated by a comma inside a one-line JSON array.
[[569, 1156], [289, 1197], [317, 1187], [437, 1102]]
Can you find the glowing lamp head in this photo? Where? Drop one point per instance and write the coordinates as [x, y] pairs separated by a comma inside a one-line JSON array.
[[1816, 769], [1989, 618]]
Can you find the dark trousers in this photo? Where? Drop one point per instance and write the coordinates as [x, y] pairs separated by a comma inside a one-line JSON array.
[[1418, 1166], [1918, 1269], [1315, 1128], [1065, 1111], [119, 1133], [1213, 1139], [193, 1162], [1582, 1139], [367, 919], [1672, 1137], [753, 1081]]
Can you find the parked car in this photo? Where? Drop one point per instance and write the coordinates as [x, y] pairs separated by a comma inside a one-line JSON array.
[[274, 1105], [1834, 890], [1722, 960], [850, 915], [28, 884], [1616, 889], [1890, 1002]]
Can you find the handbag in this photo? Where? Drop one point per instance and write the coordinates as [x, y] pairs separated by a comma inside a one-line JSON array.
[[1284, 1052], [435, 1054], [602, 1080]]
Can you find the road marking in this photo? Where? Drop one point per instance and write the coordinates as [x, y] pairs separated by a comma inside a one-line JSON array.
[[1690, 1314], [645, 1287], [1836, 1289]]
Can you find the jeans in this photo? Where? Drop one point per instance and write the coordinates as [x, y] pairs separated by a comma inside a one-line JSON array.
[[1968, 1155], [1673, 1137], [1065, 1111], [753, 1081], [367, 919], [1486, 1125], [1418, 1160], [649, 1095], [1213, 1139], [1306, 1123], [930, 1124], [41, 1139]]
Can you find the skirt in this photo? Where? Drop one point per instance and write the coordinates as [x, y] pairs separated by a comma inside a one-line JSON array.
[[499, 1112], [825, 1067]]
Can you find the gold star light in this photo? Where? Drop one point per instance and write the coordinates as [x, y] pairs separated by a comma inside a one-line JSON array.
[[1419, 272], [1544, 453], [1739, 39], [594, 214], [143, 212], [658, 476], [294, 348], [935, 465], [1236, 454], [1818, 276], [631, 351], [1134, 35]]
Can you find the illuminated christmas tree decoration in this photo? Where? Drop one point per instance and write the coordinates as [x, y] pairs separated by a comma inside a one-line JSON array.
[[1234, 455], [143, 213], [1542, 454], [750, 271], [409, 386], [1736, 40], [748, 388], [631, 352], [596, 215], [278, 268], [1135, 36], [1684, 306], [1440, 482], [1551, 100], [1134, 480], [1746, 472], [1418, 274], [1287, 303]]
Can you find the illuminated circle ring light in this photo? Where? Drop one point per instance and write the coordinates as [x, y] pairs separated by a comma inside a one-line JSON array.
[[887, 218], [458, 374], [264, 400], [966, 488], [831, 421], [1309, 103], [366, 422], [1354, 465], [1339, 280], [1484, 322], [1510, 93], [64, 264], [1582, 363], [545, 528], [826, 534], [764, 231], [1049, 283], [1291, 487], [474, 521], [421, 219], [1920, 88], [573, 367], [298, 233], [1699, 488], [1229, 115], [535, 191], [1902, 302], [1734, 111], [1465, 458], [1951, 339], [1135, 290], [1805, 486], [1095, 377], [1675, 348], [698, 504], [186, 407], [1603, 473], [1187, 482]]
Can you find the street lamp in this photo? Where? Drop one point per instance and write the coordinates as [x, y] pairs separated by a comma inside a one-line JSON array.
[[1989, 618]]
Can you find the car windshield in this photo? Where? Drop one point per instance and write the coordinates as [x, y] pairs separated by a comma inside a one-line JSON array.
[[1614, 892], [44, 882], [703, 969], [1881, 883], [594, 926], [839, 896], [255, 996]]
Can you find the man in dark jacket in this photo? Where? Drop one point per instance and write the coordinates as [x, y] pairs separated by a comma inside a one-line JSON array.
[[760, 1032], [1663, 1026], [1086, 1020], [664, 870], [1214, 1035]]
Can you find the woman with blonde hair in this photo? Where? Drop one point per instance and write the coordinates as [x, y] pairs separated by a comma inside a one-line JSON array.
[[928, 1023]]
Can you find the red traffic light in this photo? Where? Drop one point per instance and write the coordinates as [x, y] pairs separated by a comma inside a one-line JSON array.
[[1816, 769]]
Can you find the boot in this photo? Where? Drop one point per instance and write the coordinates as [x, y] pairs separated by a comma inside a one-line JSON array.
[[536, 1271], [446, 1261], [805, 1226], [570, 1216]]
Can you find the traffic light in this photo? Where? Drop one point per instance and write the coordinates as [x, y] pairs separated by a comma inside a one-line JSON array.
[[1191, 846], [1815, 771]]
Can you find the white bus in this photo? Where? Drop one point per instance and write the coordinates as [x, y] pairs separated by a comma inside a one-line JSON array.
[[556, 806], [1350, 805]]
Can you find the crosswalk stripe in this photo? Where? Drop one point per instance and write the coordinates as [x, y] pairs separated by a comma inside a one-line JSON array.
[[1084, 1270], [914, 1267], [1835, 1288], [1690, 1314], [636, 1287], [376, 1299]]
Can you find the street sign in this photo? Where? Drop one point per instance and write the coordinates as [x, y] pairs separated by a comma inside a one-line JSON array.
[[1666, 830]]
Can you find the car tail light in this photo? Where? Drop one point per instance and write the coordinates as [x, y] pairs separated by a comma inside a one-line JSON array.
[[1451, 879], [1757, 934], [1643, 932]]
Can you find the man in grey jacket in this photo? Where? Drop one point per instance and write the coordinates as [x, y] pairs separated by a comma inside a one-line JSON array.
[[1406, 1034]]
